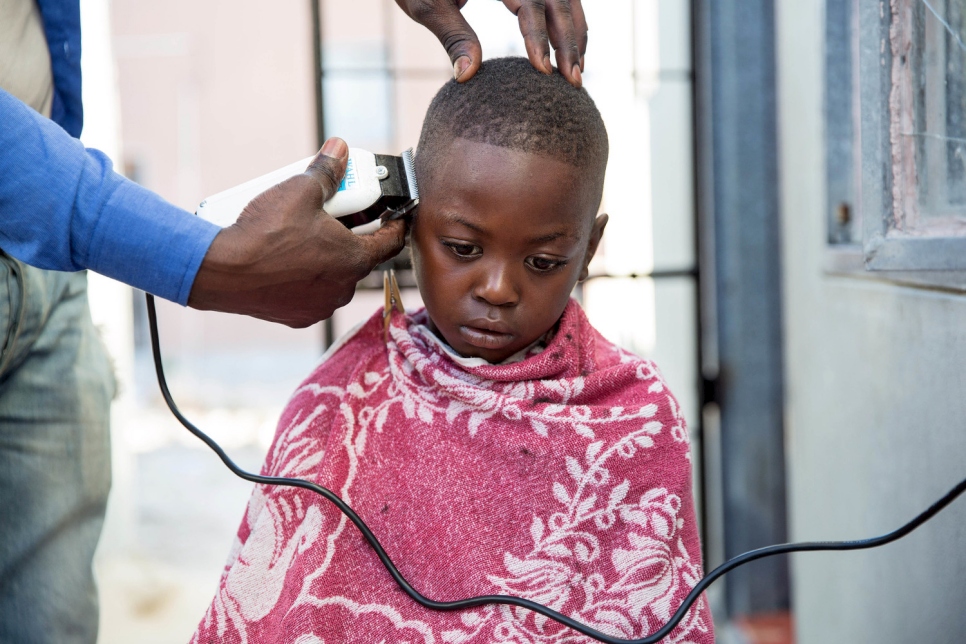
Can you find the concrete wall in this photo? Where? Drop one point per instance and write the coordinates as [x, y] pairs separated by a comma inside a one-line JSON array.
[[876, 403]]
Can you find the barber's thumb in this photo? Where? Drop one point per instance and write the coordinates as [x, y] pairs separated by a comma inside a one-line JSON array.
[[328, 166], [386, 242], [460, 41]]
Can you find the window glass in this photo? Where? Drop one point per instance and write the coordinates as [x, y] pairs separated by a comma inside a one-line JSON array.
[[939, 59], [928, 120]]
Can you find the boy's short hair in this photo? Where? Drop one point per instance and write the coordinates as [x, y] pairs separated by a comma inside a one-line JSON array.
[[510, 104]]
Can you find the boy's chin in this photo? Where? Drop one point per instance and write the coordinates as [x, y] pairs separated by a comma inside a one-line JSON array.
[[479, 343], [473, 349]]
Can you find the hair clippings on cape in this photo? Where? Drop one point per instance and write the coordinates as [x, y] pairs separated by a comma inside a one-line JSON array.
[[393, 299]]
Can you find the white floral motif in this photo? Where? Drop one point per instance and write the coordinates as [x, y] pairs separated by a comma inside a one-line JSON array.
[[407, 630], [271, 552], [649, 574], [483, 399]]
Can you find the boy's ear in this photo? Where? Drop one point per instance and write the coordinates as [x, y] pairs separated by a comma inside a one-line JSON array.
[[595, 234]]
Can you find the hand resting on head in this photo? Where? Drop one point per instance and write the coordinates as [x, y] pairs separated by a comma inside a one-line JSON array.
[[543, 23]]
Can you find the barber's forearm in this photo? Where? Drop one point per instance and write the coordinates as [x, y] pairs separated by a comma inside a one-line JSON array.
[[62, 207], [146, 242]]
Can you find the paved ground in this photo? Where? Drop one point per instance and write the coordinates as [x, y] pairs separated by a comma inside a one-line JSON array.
[[174, 512]]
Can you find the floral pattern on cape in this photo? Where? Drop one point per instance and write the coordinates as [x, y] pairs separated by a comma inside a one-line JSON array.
[[564, 478]]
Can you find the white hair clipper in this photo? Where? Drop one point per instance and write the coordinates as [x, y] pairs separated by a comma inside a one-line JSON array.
[[375, 186]]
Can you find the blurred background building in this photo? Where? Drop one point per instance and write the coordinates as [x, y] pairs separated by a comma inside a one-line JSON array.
[[755, 163]]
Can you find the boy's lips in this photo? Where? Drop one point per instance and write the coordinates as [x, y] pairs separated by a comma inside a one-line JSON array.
[[485, 334]]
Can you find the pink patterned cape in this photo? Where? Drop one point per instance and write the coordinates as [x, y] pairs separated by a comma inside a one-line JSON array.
[[564, 478]]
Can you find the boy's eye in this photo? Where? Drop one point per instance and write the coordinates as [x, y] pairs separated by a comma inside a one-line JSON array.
[[463, 250], [544, 264]]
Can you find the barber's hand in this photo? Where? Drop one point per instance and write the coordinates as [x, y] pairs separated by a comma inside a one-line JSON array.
[[560, 21], [286, 260]]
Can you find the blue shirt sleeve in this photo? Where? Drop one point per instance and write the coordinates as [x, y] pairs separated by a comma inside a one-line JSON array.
[[62, 26], [62, 207]]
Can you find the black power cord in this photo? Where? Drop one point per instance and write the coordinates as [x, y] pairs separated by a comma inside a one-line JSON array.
[[510, 600]]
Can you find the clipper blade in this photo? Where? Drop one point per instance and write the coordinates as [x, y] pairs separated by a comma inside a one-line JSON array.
[[399, 195], [409, 163]]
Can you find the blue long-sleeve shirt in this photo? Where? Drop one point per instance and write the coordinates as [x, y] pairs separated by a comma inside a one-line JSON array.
[[62, 206]]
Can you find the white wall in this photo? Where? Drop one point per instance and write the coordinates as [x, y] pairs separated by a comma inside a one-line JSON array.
[[876, 404]]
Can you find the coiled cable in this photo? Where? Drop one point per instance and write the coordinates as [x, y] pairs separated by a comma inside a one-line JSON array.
[[510, 600]]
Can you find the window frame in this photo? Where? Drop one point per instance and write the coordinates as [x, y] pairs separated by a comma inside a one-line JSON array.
[[884, 247]]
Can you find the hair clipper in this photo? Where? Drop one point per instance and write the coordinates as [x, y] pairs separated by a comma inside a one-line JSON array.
[[374, 186]]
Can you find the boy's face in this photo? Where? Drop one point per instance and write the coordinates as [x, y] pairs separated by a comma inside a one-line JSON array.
[[500, 239]]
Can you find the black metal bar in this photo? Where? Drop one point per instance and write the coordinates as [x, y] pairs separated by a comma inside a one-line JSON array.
[[691, 271], [389, 40], [444, 73], [328, 329], [704, 391], [316, 6], [374, 282]]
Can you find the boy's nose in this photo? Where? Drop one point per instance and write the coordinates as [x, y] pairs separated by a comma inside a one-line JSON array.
[[495, 287]]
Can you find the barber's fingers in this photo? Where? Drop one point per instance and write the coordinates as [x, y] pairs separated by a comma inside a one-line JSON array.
[[580, 28], [328, 167], [385, 243], [533, 25], [443, 18], [560, 23], [366, 251]]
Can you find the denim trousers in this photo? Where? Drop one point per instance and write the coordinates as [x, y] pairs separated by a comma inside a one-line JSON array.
[[56, 386]]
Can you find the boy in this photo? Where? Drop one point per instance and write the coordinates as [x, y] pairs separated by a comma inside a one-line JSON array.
[[494, 442]]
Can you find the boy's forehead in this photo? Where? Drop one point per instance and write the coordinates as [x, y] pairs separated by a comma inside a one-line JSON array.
[[473, 152], [466, 167], [540, 230]]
